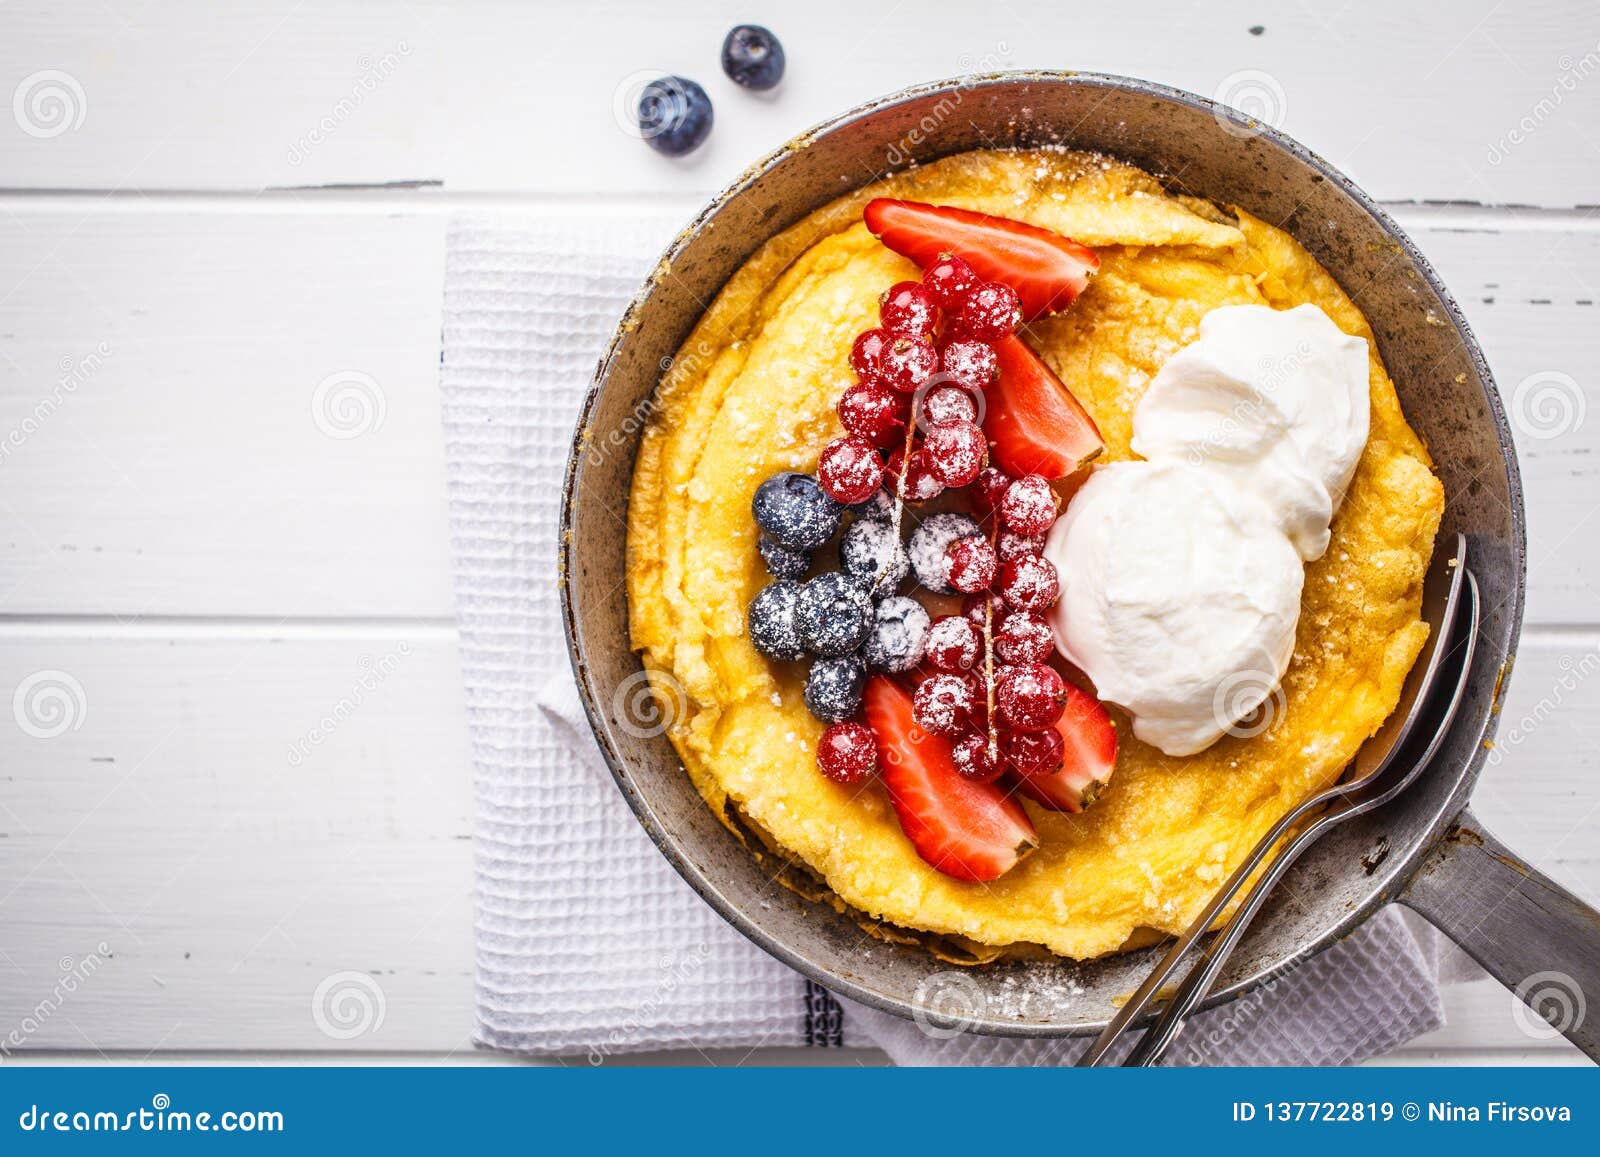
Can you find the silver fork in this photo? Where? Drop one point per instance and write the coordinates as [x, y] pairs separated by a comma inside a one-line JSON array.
[[1442, 603]]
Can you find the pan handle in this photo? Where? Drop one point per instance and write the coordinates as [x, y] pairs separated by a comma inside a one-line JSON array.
[[1530, 933]]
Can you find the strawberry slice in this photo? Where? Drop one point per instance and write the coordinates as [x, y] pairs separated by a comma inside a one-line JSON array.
[[1091, 756], [971, 831], [1047, 270], [1033, 422]]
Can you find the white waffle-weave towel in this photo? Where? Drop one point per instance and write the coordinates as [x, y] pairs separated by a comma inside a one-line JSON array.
[[588, 943]]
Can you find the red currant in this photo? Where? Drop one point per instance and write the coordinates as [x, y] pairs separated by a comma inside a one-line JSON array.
[[988, 489], [972, 363], [908, 310], [956, 452], [921, 484], [874, 413], [850, 470], [990, 312], [1029, 505], [1034, 752], [954, 644], [943, 705], [1029, 696], [972, 608], [1023, 637], [948, 403], [972, 564], [1029, 583], [949, 280], [1008, 544], [974, 760], [907, 364], [867, 353], [847, 753]]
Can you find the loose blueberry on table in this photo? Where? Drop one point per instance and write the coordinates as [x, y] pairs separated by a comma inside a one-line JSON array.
[[674, 115], [965, 709]]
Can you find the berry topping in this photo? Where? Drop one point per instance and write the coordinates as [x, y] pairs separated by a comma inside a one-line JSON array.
[[971, 564], [1047, 270], [771, 621], [832, 614], [833, 689], [1090, 756], [899, 635], [866, 354], [1028, 696], [850, 469], [1008, 544], [955, 643], [793, 509], [1033, 422], [972, 363], [674, 115], [967, 830], [943, 705], [1033, 752], [922, 484], [990, 313], [847, 753], [1029, 505], [972, 608], [752, 57], [879, 508], [908, 363], [950, 279], [988, 489], [872, 552], [781, 561], [948, 403], [956, 452], [973, 760], [1023, 637], [907, 309], [874, 413], [1029, 583], [929, 544]]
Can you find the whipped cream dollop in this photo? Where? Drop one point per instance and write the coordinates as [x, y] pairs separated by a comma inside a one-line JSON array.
[[1181, 574]]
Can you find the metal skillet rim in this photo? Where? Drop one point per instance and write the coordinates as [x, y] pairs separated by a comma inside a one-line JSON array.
[[707, 888]]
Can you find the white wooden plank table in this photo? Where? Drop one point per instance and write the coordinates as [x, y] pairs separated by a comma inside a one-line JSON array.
[[227, 208]]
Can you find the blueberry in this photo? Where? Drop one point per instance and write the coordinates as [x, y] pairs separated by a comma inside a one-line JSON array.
[[930, 541], [872, 552], [795, 511], [832, 614], [781, 561], [772, 624], [752, 57], [674, 115], [833, 689], [899, 635], [880, 506]]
